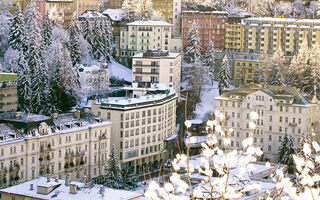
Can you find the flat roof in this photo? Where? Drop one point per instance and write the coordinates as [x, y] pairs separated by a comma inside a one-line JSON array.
[[171, 55], [8, 77]]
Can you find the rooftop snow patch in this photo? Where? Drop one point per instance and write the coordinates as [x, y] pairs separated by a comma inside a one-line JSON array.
[[119, 71], [116, 14]]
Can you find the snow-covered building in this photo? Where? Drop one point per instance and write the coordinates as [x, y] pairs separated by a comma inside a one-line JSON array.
[[80, 6], [75, 143], [140, 36], [91, 15], [211, 27], [281, 110], [157, 67], [140, 124], [45, 188], [117, 17], [94, 79], [8, 91], [266, 34]]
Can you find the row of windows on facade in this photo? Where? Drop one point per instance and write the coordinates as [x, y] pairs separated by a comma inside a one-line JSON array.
[[281, 108], [136, 142], [144, 130], [143, 151], [13, 150], [145, 113]]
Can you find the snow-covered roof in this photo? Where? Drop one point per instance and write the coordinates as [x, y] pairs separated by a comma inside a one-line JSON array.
[[206, 12], [140, 102], [61, 191], [149, 23], [271, 19], [116, 14], [170, 55], [153, 87], [304, 26], [91, 14]]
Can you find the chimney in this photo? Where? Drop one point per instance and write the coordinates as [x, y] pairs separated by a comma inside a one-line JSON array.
[[56, 180], [77, 114], [86, 110], [18, 114], [48, 179], [68, 179], [31, 187], [73, 189], [55, 115]]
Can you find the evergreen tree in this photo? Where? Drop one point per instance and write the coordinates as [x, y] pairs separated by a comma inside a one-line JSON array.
[[34, 55], [193, 49], [11, 60], [47, 30], [24, 85], [88, 35], [107, 39], [16, 30], [4, 34], [64, 84], [262, 77], [304, 69], [276, 68], [74, 43], [286, 150], [224, 75], [114, 177], [97, 44], [209, 59]]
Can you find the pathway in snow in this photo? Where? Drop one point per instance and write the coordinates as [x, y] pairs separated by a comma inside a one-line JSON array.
[[120, 72], [207, 104]]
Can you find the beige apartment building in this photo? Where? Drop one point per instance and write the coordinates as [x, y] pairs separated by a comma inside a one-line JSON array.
[[140, 36], [8, 91], [140, 125], [266, 35], [281, 110], [77, 143], [157, 67]]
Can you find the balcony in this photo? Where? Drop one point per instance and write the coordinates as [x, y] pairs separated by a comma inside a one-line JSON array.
[[142, 43], [151, 73], [132, 35]]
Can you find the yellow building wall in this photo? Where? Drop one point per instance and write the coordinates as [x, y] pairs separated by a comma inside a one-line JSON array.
[[250, 72], [234, 36]]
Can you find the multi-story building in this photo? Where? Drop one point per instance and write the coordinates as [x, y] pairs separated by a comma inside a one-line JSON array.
[[59, 11], [211, 25], [45, 188], [140, 125], [23, 4], [266, 35], [246, 71], [157, 67], [8, 91], [32, 145], [234, 31], [171, 11], [281, 110], [94, 79], [118, 18], [140, 36]]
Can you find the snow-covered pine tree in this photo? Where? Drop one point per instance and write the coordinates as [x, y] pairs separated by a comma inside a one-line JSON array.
[[74, 43], [107, 39], [16, 30], [11, 59], [98, 44], [209, 59], [262, 76], [88, 35], [193, 49], [286, 150], [64, 83], [276, 68], [304, 69], [114, 177], [4, 34], [224, 75], [34, 54], [47, 30], [24, 85]]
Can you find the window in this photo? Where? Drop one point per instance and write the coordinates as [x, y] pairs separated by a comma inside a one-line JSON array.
[[269, 147], [270, 118], [271, 108], [270, 137]]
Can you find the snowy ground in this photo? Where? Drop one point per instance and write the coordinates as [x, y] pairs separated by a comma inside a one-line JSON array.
[[207, 104], [120, 72]]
